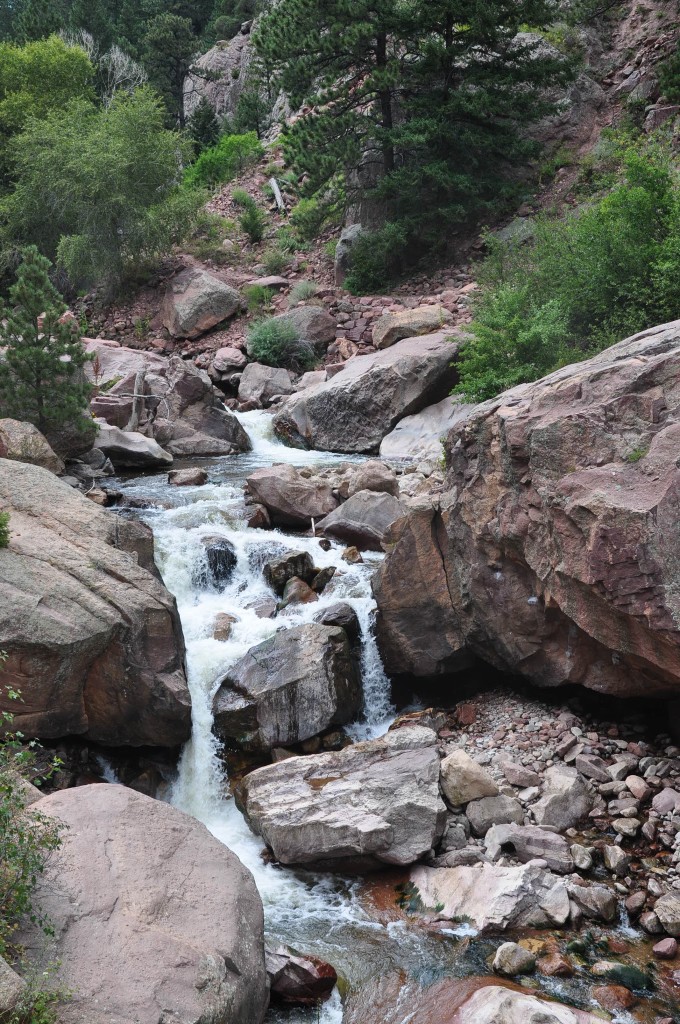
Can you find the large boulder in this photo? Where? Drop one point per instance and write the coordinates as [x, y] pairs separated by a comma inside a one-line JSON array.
[[290, 498], [197, 300], [527, 842], [154, 919], [313, 325], [371, 804], [130, 449], [421, 436], [93, 638], [176, 403], [492, 1004], [409, 323], [566, 798], [262, 384], [287, 689], [356, 408], [364, 520], [24, 443], [557, 534]]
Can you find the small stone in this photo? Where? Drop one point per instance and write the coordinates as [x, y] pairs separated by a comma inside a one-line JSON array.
[[638, 787], [635, 903], [650, 923], [223, 626], [581, 857], [512, 959], [667, 949], [187, 477], [628, 827], [556, 966], [352, 556], [615, 860]]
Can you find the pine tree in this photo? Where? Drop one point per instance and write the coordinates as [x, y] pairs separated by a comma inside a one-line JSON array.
[[41, 372], [169, 49]]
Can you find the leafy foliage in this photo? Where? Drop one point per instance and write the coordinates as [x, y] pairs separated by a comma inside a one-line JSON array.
[[4, 529], [98, 190], [253, 220], [589, 280], [224, 161], [41, 375], [669, 77], [377, 257], [277, 343]]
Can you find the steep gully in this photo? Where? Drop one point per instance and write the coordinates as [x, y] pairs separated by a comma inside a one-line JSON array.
[[341, 920]]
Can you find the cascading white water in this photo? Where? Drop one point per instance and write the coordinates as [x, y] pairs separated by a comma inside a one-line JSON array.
[[302, 909]]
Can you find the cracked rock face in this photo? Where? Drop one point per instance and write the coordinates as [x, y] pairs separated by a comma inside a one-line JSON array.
[[554, 552], [154, 920]]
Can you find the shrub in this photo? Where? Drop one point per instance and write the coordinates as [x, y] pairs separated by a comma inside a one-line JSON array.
[[589, 280], [376, 259], [242, 199], [330, 248], [4, 529], [206, 241], [275, 261], [308, 218], [225, 161], [669, 77], [302, 291], [257, 297], [253, 220], [277, 343]]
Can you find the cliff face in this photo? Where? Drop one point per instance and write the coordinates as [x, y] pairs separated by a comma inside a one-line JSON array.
[[554, 552]]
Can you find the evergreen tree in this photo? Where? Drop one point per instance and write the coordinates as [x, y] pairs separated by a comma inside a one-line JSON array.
[[41, 373], [168, 51], [203, 126]]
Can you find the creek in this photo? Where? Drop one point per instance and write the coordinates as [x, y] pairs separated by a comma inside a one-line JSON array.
[[353, 924]]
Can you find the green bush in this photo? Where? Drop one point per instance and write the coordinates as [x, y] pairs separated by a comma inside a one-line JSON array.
[[302, 291], [376, 259], [225, 161], [308, 218], [257, 297], [206, 241], [277, 343], [4, 529], [669, 77], [589, 280], [275, 261]]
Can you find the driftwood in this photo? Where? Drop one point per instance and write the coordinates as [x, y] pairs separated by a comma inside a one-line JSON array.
[[277, 194]]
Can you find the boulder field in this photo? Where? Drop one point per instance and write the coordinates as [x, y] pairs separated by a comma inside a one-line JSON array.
[[552, 549], [93, 638]]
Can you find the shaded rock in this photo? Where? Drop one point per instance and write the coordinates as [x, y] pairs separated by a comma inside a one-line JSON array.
[[220, 76], [197, 300], [94, 640], [364, 520], [356, 408], [566, 798], [290, 498], [493, 810], [294, 564], [420, 436], [409, 323], [667, 910], [371, 804], [23, 442], [343, 615], [299, 980], [258, 518], [296, 591], [188, 477], [264, 607], [527, 842], [12, 986], [583, 860], [151, 915], [547, 511], [615, 860], [493, 897], [594, 901], [374, 476], [351, 555], [220, 562], [462, 779], [261, 384], [512, 959], [129, 449], [289, 688]]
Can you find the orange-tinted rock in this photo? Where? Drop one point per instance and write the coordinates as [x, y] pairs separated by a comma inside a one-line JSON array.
[[613, 997], [556, 965]]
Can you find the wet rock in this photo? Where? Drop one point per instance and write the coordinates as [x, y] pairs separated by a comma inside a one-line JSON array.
[[264, 607], [613, 997], [356, 408], [293, 686], [188, 477], [512, 959], [527, 842], [493, 897], [371, 804], [667, 910], [582, 857], [197, 300], [374, 476], [623, 974], [667, 949], [223, 625], [493, 810], [294, 564], [556, 965], [462, 779], [298, 980], [363, 520], [343, 615], [258, 518], [566, 799], [352, 556], [296, 591], [262, 384], [129, 449], [24, 443], [93, 638], [290, 498], [409, 323], [220, 562], [175, 912]]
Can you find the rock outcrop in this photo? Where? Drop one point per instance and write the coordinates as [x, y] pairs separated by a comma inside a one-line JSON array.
[[23, 442], [293, 686], [360, 808], [93, 637], [154, 919], [553, 552], [220, 76], [197, 300], [355, 409], [421, 436]]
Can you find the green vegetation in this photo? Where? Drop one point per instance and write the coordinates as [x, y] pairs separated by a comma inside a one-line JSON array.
[[41, 376], [377, 258], [257, 297], [277, 343], [302, 291], [4, 529], [590, 279], [669, 77], [80, 196], [252, 220], [224, 161], [275, 261]]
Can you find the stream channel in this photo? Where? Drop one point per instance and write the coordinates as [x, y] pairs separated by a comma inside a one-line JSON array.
[[353, 924]]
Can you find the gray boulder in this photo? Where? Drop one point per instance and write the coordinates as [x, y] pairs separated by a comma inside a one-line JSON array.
[[363, 520], [373, 476], [667, 909], [278, 571], [360, 808], [343, 615], [220, 76], [12, 988], [290, 498], [196, 301], [493, 810], [355, 409], [419, 437], [295, 685], [262, 384], [154, 919], [512, 959], [130, 449], [566, 798], [527, 842]]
